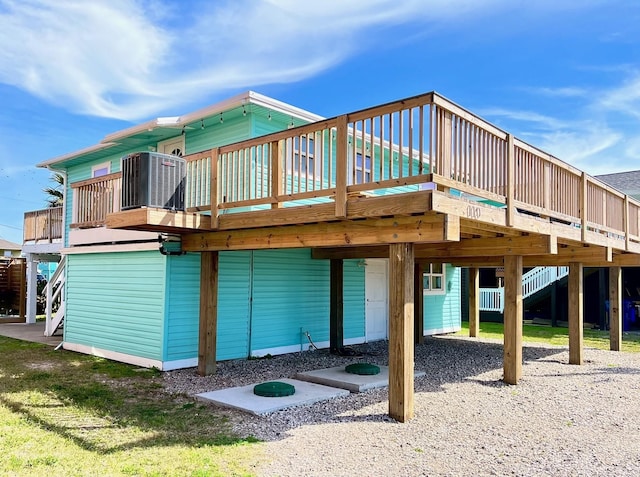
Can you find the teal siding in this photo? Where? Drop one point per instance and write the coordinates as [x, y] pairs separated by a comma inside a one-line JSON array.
[[234, 305], [115, 302], [290, 292], [354, 300], [230, 131], [183, 308], [443, 311]]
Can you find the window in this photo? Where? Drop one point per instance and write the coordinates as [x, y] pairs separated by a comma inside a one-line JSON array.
[[303, 160], [433, 279], [363, 169], [101, 169]]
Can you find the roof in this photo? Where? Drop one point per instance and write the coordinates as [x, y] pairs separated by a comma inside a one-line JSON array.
[[166, 127], [627, 182], [6, 245]]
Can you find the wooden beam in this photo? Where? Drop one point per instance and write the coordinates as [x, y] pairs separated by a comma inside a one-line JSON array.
[[489, 247], [576, 313], [277, 174], [474, 302], [426, 228], [401, 344], [208, 313], [336, 306], [369, 251], [615, 308], [418, 303], [512, 319], [158, 220]]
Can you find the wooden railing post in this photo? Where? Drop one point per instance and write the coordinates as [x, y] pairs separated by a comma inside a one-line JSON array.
[[625, 222], [511, 179], [342, 145], [213, 194], [276, 174], [546, 186], [583, 205]]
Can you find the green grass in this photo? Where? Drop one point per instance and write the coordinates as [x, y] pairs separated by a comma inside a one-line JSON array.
[[556, 336], [63, 413]]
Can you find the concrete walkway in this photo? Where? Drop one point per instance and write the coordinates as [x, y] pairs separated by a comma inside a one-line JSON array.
[[29, 332]]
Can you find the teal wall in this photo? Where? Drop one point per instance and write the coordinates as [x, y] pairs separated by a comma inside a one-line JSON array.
[[443, 311], [116, 302], [264, 297]]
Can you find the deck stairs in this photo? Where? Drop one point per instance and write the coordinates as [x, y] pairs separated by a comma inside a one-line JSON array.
[[56, 298], [536, 279]]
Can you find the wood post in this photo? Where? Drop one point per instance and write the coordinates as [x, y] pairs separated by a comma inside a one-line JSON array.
[[277, 168], [336, 307], [615, 308], [418, 303], [576, 313], [511, 180], [342, 153], [474, 302], [208, 313], [401, 346], [512, 318], [213, 191]]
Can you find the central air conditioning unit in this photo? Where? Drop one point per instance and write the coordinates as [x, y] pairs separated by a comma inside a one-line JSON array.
[[151, 179]]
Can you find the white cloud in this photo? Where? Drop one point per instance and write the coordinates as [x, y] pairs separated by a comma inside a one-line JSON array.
[[128, 59]]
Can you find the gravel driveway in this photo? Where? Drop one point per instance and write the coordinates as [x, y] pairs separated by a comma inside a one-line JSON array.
[[561, 420]]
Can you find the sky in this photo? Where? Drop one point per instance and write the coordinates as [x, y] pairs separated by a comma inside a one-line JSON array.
[[563, 75]]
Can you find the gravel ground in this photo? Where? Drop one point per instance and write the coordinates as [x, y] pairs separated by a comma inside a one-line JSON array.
[[561, 420]]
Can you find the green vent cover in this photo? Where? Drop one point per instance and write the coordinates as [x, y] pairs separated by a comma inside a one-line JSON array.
[[273, 389], [362, 369]]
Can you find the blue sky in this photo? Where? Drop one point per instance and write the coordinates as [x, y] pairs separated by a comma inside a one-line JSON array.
[[563, 75]]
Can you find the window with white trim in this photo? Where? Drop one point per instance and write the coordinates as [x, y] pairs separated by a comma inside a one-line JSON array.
[[363, 168], [303, 159], [100, 170], [433, 279]]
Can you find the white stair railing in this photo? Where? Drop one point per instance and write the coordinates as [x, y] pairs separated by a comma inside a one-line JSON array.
[[56, 293], [536, 279]]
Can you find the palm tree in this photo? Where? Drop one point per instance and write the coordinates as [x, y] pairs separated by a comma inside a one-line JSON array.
[[55, 193]]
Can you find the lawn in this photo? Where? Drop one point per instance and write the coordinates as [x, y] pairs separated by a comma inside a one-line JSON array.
[[556, 336], [63, 413]]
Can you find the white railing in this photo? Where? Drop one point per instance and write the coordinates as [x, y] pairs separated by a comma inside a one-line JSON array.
[[492, 299], [56, 294]]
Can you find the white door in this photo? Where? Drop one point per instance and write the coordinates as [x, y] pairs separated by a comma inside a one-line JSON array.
[[377, 303]]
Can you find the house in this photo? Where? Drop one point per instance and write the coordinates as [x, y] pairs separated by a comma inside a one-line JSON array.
[[126, 301], [338, 230], [9, 249]]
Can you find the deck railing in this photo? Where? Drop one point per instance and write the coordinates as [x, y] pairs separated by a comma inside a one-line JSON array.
[[94, 198], [42, 226], [394, 148]]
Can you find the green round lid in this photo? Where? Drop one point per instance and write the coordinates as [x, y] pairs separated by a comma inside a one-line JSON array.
[[362, 369], [274, 389]]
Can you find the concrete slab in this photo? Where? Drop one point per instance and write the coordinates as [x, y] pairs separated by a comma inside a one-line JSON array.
[[337, 377], [242, 397], [29, 332]]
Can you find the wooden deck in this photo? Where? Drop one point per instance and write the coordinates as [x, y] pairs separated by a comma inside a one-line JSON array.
[[418, 180]]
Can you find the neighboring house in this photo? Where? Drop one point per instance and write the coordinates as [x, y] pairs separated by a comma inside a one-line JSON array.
[[126, 301], [9, 249]]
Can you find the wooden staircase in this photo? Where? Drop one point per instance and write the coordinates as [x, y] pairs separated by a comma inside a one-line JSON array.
[[56, 300]]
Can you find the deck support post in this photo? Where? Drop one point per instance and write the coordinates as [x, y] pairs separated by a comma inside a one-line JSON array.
[[336, 306], [576, 313], [32, 288], [474, 302], [208, 313], [615, 308], [512, 319], [401, 327], [418, 303]]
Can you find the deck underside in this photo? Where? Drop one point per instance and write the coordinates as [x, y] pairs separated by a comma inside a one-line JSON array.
[[444, 228]]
